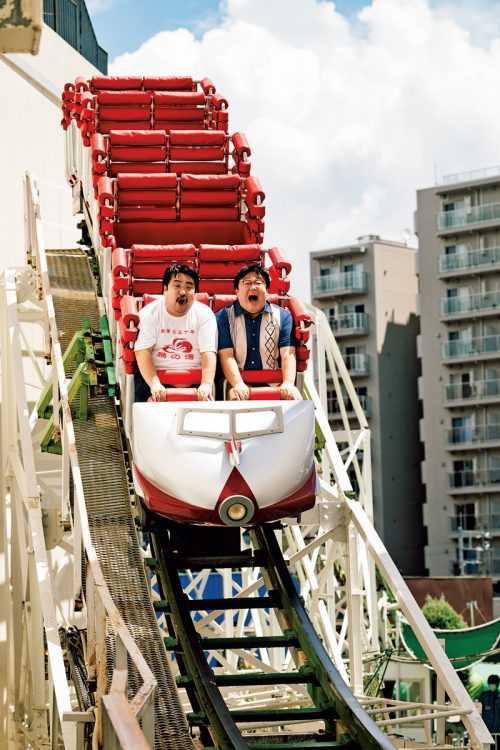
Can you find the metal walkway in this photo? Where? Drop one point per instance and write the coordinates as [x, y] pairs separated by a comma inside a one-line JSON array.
[[107, 498]]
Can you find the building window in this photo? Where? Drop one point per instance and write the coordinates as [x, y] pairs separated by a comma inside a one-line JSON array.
[[465, 517], [463, 473]]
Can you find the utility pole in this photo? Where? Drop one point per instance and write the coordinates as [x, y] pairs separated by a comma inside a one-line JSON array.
[[472, 606], [460, 540]]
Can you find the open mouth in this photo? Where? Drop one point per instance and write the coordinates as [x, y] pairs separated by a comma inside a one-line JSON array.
[[181, 300], [253, 297]]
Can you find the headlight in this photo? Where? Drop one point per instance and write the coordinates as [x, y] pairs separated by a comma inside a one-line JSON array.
[[236, 510]]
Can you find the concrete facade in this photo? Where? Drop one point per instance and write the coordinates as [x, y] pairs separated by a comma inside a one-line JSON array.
[[368, 290], [458, 225], [32, 138]]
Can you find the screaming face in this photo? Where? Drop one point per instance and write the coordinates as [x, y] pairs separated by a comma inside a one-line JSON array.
[[179, 295], [251, 293]]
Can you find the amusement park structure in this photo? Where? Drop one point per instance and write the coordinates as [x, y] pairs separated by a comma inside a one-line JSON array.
[[129, 629]]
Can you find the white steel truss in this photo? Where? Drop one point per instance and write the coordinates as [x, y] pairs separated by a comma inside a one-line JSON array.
[[333, 552]]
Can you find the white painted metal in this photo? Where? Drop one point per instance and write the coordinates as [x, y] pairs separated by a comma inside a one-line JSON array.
[[197, 435], [333, 553], [32, 614]]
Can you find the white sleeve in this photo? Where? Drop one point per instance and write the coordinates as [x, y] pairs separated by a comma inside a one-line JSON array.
[[148, 333], [207, 332]]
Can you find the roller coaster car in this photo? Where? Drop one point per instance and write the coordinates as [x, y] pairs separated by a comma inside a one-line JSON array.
[[243, 463]]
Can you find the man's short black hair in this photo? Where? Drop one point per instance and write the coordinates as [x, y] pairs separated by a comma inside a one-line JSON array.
[[178, 268], [494, 679], [253, 268]]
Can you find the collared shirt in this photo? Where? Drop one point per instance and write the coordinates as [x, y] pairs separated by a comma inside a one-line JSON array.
[[491, 709], [252, 327]]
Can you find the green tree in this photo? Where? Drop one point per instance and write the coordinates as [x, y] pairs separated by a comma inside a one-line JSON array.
[[440, 614]]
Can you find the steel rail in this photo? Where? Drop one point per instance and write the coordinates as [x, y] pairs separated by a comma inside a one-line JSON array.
[[364, 730], [336, 700], [211, 701]]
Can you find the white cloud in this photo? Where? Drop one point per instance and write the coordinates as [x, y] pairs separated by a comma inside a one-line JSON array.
[[345, 121]]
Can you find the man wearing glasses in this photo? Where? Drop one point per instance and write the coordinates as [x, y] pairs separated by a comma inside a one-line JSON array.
[[256, 335]]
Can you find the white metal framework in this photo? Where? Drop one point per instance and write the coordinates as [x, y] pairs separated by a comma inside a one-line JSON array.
[[46, 544]]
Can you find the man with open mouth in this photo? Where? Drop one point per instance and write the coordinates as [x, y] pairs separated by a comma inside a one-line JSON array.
[[256, 335], [176, 332]]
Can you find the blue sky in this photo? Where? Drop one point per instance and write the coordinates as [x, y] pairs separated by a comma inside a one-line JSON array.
[[123, 25], [349, 108]]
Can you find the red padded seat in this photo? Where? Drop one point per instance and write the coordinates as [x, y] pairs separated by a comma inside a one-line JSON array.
[[219, 264], [180, 394], [114, 102], [210, 197], [241, 154], [146, 197], [254, 199], [265, 393], [169, 83], [68, 104], [198, 151], [219, 114], [143, 209], [147, 264], [222, 300], [156, 152], [137, 151], [140, 271], [123, 110], [179, 110], [278, 271], [115, 83]]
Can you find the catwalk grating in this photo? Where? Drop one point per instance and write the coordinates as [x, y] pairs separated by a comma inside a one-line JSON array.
[[112, 528]]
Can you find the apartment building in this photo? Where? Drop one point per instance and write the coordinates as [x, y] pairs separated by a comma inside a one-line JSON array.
[[458, 226], [368, 290]]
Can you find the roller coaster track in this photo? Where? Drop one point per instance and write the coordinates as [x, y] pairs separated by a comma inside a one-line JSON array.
[[275, 675], [326, 698], [114, 536]]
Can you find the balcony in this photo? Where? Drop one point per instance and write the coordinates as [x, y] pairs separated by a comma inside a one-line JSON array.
[[484, 390], [334, 407], [482, 346], [464, 260], [357, 364], [475, 174], [477, 436], [461, 217], [483, 480], [482, 302], [488, 521], [349, 324], [349, 282]]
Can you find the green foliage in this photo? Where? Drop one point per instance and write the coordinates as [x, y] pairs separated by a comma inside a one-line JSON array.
[[475, 685], [440, 614]]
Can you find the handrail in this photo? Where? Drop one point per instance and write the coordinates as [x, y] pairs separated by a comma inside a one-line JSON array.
[[104, 606], [478, 733], [360, 528], [35, 568]]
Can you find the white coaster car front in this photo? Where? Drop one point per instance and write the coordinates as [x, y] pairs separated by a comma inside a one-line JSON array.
[[234, 463]]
